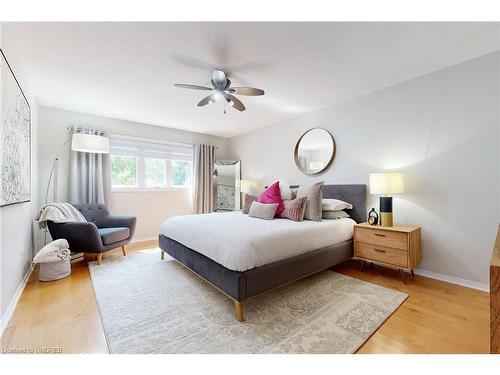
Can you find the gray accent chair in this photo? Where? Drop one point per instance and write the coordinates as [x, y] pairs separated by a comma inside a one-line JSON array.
[[101, 232]]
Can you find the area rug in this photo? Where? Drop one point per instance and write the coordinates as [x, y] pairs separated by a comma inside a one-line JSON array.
[[149, 305]]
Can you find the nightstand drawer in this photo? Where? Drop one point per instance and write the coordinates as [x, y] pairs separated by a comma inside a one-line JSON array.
[[396, 240], [382, 254]]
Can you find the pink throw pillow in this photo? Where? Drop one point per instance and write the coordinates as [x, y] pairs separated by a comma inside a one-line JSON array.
[[273, 195]]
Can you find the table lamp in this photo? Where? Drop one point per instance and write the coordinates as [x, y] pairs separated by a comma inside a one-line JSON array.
[[248, 186], [386, 183]]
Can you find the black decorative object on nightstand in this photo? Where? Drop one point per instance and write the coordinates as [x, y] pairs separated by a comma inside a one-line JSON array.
[[373, 217]]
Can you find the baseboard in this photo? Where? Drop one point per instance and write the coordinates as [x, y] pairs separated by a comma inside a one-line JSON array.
[[144, 239], [453, 280], [15, 299]]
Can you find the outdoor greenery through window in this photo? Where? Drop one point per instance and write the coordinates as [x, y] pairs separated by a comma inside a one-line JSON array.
[[141, 164], [123, 171], [155, 172], [181, 173]]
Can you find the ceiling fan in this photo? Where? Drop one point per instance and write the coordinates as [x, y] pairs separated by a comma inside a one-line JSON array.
[[223, 91]]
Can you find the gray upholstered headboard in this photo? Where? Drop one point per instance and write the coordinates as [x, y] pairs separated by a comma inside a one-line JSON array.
[[353, 194]]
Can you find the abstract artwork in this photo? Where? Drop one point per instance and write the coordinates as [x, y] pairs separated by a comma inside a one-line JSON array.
[[15, 139]]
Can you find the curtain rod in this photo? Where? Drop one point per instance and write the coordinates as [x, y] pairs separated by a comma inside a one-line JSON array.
[[150, 140], [133, 138]]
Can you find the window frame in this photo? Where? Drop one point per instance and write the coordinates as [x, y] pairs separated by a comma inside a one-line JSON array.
[[140, 156]]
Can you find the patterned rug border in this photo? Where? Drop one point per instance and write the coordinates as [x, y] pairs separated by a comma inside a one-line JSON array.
[[90, 265], [381, 323], [93, 264]]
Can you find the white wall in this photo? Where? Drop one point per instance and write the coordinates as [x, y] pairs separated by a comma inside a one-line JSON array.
[[151, 208], [16, 221], [441, 130]]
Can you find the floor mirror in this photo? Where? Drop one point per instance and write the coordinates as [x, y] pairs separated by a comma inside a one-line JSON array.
[[227, 176]]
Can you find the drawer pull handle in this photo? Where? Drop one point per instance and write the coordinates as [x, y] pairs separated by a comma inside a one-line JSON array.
[[379, 235], [380, 251]]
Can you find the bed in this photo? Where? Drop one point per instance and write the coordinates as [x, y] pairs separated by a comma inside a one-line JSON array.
[[244, 257]]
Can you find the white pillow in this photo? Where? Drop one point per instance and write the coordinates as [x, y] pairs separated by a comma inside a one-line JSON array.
[[335, 205], [264, 211], [286, 192]]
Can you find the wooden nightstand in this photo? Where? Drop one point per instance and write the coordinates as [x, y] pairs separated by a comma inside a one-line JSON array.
[[397, 247]]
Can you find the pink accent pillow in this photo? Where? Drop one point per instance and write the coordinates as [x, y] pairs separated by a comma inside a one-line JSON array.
[[273, 195]]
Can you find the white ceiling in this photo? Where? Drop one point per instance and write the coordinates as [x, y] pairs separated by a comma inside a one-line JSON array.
[[127, 70]]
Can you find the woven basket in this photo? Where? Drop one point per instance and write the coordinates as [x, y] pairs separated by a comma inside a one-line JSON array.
[[54, 270]]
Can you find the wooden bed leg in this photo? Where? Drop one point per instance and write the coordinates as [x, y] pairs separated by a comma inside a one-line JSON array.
[[239, 311], [124, 251], [162, 255], [99, 258]]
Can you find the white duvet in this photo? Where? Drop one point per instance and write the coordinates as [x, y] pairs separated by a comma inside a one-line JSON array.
[[240, 242]]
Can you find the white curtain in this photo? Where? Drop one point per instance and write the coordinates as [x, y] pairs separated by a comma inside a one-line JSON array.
[[203, 167], [90, 176]]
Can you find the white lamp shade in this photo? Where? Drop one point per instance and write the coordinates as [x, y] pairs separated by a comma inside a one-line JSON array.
[[247, 186], [386, 183], [96, 144]]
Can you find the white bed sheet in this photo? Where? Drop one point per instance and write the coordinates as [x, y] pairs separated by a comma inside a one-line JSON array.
[[240, 242]]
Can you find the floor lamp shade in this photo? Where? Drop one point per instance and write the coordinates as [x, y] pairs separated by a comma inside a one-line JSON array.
[[96, 144], [81, 142], [386, 183]]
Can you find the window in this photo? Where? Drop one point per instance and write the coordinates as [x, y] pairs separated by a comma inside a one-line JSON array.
[[181, 173], [123, 171], [155, 172], [142, 164]]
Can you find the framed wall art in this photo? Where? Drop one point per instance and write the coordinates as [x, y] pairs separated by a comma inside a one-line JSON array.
[[15, 139]]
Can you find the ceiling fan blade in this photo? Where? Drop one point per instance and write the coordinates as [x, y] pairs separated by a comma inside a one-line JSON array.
[[194, 87], [210, 98], [219, 79], [250, 91], [237, 104]]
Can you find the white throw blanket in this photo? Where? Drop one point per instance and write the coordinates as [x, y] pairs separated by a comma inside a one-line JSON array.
[[58, 213], [53, 252]]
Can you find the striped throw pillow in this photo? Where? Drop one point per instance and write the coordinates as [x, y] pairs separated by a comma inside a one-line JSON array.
[[247, 202], [294, 209]]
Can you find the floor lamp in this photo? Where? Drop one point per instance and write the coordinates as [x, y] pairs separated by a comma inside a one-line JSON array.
[[82, 142]]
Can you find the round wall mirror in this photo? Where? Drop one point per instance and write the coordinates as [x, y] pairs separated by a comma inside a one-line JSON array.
[[315, 151]]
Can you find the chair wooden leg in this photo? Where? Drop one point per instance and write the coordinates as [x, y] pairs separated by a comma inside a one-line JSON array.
[[162, 255], [239, 311], [99, 258], [124, 251]]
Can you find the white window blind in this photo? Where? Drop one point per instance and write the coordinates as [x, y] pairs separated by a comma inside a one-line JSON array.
[[136, 147], [138, 163]]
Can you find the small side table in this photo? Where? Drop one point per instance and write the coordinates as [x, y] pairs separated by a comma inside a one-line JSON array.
[[396, 247]]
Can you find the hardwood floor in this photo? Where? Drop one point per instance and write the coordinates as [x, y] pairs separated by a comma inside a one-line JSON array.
[[436, 318]]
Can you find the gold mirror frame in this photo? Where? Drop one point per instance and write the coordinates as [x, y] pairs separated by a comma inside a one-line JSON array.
[[324, 169]]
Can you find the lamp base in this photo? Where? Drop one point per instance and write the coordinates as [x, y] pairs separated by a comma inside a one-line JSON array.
[[386, 219], [386, 211]]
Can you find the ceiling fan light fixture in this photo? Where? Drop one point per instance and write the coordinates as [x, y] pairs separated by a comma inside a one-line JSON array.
[[229, 101], [223, 90]]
